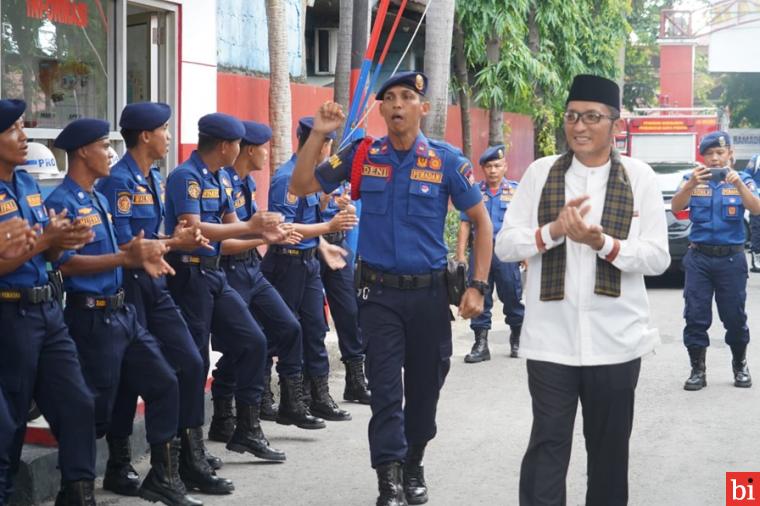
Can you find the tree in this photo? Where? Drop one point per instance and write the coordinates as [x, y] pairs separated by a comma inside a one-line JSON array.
[[343, 60], [279, 84], [438, 31], [463, 88]]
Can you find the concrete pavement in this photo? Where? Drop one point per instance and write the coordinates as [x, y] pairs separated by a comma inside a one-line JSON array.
[[682, 444]]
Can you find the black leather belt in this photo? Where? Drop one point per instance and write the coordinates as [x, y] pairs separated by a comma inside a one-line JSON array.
[[306, 254], [335, 237], [401, 281], [250, 256], [90, 301], [30, 295], [717, 250], [205, 262]]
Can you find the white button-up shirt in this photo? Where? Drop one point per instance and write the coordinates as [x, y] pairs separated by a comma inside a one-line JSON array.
[[587, 329]]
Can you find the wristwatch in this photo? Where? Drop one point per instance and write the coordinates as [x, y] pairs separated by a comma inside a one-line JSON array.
[[480, 286]]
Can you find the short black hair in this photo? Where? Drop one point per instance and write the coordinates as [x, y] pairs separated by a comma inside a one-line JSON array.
[[130, 137], [207, 143]]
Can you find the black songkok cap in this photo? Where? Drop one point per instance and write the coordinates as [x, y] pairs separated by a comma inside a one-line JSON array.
[[590, 88]]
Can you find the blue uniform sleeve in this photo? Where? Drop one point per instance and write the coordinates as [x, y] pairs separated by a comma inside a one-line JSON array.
[[57, 203], [116, 189], [750, 182], [686, 177], [337, 168], [458, 173], [281, 200], [184, 191]]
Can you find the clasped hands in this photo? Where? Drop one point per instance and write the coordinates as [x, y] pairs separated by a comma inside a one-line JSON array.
[[570, 223]]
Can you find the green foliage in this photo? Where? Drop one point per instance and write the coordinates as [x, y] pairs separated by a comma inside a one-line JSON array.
[[543, 44], [451, 230], [742, 94], [642, 52]]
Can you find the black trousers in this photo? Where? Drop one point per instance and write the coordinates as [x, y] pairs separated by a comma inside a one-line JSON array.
[[607, 394]]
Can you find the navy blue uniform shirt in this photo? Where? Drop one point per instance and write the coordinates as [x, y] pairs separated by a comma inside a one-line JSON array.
[[21, 198], [137, 202], [295, 209], [496, 202], [717, 213], [192, 188], [93, 209], [243, 194], [404, 202]]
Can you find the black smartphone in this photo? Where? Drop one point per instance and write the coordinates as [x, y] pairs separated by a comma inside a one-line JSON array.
[[718, 175]]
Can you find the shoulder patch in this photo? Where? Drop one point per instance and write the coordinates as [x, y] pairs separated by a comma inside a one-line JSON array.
[[193, 190], [123, 203]]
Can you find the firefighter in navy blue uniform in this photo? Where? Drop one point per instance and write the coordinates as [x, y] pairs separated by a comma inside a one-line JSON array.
[[715, 263], [112, 345], [405, 182], [341, 297], [196, 192], [135, 192], [753, 169], [294, 272], [241, 263], [38, 359], [497, 193]]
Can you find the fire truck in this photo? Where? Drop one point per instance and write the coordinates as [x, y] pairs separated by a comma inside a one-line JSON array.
[[667, 138]]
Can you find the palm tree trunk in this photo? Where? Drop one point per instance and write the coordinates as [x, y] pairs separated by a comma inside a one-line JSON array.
[[341, 86], [460, 69], [279, 84], [438, 32], [495, 115]]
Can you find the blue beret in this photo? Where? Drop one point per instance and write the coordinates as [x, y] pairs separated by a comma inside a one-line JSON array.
[[497, 152], [256, 133], [305, 125], [81, 132], [144, 115], [416, 81], [10, 111], [714, 140], [221, 126]]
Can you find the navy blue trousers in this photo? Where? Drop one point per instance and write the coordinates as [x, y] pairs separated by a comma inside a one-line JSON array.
[[726, 278], [157, 312], [754, 227], [6, 438], [408, 336], [39, 361], [299, 284], [210, 305], [282, 330], [114, 348], [341, 296], [505, 276]]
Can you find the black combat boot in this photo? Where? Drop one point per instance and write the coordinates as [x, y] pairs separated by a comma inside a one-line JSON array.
[[76, 493], [356, 383], [322, 403], [293, 410], [514, 341], [195, 470], [215, 463], [222, 421], [755, 257], [120, 478], [306, 390], [698, 378], [268, 406], [390, 485], [248, 436], [742, 379], [163, 483], [479, 352], [415, 489]]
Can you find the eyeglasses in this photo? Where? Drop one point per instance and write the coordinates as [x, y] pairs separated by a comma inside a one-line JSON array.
[[588, 117]]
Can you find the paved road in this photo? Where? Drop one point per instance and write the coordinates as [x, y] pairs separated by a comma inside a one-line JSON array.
[[682, 445]]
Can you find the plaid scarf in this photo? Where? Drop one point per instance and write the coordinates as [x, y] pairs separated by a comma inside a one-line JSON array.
[[616, 222]]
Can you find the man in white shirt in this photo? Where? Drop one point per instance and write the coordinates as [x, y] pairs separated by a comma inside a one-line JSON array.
[[590, 224]]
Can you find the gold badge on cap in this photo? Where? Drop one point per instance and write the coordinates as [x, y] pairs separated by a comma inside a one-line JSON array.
[[722, 141], [419, 82], [501, 153]]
